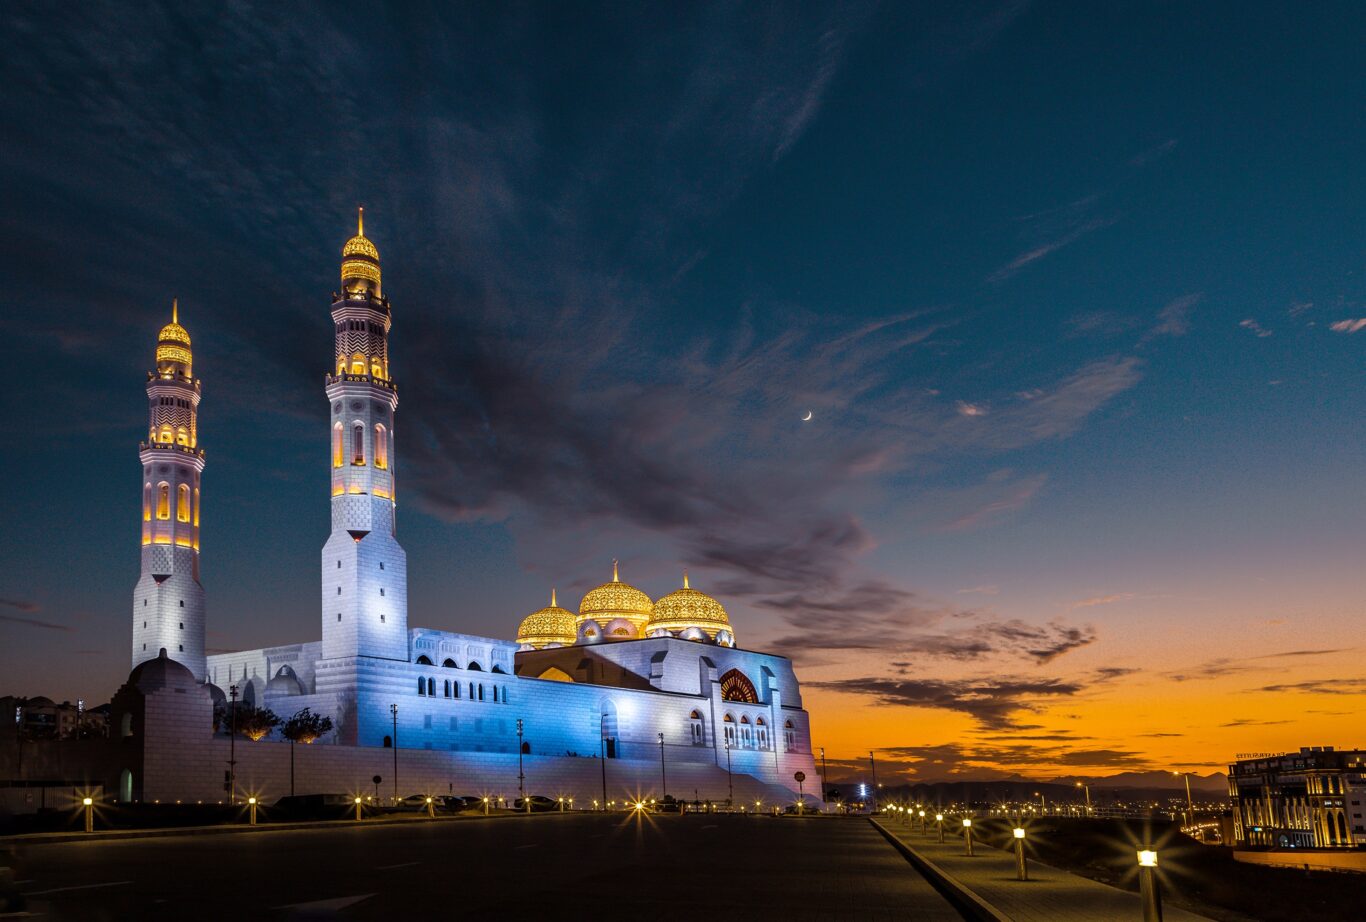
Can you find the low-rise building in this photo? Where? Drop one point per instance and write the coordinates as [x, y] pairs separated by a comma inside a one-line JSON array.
[[1307, 799]]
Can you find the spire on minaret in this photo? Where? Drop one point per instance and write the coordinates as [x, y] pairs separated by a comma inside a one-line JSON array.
[[552, 597], [685, 578], [360, 220], [615, 578], [175, 310]]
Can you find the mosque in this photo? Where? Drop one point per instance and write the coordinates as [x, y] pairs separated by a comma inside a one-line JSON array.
[[654, 686]]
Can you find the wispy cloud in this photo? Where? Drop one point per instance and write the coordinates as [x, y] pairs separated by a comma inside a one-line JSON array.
[[1255, 328], [30, 607], [1174, 318], [992, 702], [1348, 326], [1102, 600], [1352, 686], [1156, 152], [989, 589], [1036, 253]]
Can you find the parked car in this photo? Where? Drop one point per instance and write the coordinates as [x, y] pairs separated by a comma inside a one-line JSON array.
[[415, 803], [318, 807], [539, 804], [472, 801]]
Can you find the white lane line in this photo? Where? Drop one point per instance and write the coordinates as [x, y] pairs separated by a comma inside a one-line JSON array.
[[114, 883], [532, 845], [391, 867]]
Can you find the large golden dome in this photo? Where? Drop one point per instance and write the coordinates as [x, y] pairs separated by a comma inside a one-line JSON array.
[[685, 608], [360, 258], [616, 600], [550, 625]]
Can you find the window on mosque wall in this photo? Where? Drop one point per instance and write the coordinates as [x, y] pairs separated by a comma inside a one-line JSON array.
[[358, 364], [381, 447], [182, 436], [182, 505], [163, 500], [147, 502], [735, 686], [196, 507], [358, 444], [337, 449]]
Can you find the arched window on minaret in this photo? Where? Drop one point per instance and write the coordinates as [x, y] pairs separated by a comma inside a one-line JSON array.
[[147, 502], [182, 503], [338, 450], [381, 447], [182, 436], [376, 367], [163, 500], [167, 435], [341, 364], [196, 507], [357, 444], [357, 364]]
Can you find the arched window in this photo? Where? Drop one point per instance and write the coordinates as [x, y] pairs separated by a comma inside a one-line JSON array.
[[471, 691], [196, 507], [455, 687], [526, 748], [431, 687], [448, 688], [736, 686], [474, 667], [357, 364], [182, 503], [357, 444], [182, 436], [789, 736], [695, 724], [498, 669], [388, 742], [341, 364], [481, 692], [163, 500], [449, 663], [147, 502], [760, 733], [381, 447], [495, 694], [338, 451], [376, 369], [729, 724], [423, 661], [421, 686]]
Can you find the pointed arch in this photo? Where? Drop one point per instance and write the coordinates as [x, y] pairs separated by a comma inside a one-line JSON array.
[[163, 500], [736, 686], [381, 446], [182, 503], [338, 448], [147, 501], [358, 364], [358, 443]]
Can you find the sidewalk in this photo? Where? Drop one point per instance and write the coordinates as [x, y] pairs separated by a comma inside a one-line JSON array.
[[1050, 895]]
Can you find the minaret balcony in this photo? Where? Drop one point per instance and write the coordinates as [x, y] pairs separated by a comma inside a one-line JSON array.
[[361, 379], [172, 446]]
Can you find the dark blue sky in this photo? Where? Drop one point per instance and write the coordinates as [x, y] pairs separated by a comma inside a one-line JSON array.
[[1072, 291]]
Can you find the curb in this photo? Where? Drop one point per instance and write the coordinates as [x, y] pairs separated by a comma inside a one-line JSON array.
[[119, 835], [963, 897]]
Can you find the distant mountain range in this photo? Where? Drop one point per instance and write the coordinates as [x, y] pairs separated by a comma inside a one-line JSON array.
[[1149, 785]]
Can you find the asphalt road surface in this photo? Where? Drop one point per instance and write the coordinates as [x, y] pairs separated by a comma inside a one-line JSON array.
[[582, 866]]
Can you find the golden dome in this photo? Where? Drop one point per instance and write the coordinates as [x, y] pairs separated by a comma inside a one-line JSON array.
[[685, 608], [616, 600], [173, 342], [360, 259], [552, 624]]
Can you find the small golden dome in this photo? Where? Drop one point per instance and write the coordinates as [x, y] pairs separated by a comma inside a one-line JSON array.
[[685, 608], [616, 600], [173, 342], [551, 624], [360, 258]]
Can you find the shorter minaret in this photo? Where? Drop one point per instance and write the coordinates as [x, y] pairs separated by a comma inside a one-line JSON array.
[[168, 601]]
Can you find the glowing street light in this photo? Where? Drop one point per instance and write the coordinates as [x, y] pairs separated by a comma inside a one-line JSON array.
[[1021, 870], [939, 819], [88, 803], [357, 809], [967, 837], [431, 808], [1149, 890], [1190, 807], [1087, 788], [251, 809]]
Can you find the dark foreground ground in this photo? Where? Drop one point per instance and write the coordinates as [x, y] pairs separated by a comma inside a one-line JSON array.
[[568, 867]]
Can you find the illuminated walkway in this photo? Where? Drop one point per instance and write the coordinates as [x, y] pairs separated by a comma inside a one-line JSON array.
[[1050, 894]]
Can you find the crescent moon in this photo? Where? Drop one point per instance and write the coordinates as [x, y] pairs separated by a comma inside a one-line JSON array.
[[807, 417]]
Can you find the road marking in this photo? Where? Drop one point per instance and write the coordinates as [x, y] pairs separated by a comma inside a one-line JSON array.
[[532, 845], [391, 867], [115, 883], [333, 905]]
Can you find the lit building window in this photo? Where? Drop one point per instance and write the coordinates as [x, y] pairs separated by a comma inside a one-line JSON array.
[[147, 503], [337, 448], [381, 447], [358, 444], [163, 500], [182, 504], [357, 364]]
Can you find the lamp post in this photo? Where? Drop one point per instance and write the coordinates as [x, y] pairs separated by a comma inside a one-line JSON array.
[[232, 747], [663, 778], [602, 752], [872, 763], [967, 837], [251, 809], [393, 712], [1149, 890], [1190, 807], [825, 779], [431, 808], [1087, 788], [521, 777], [89, 804], [939, 820], [730, 784], [1043, 803], [358, 809], [922, 822], [1021, 870]]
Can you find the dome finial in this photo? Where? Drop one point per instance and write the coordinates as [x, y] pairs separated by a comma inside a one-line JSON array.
[[615, 578], [685, 578], [175, 310], [552, 597], [360, 220]]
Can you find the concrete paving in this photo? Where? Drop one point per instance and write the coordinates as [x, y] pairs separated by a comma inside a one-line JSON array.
[[585, 866], [1049, 895]]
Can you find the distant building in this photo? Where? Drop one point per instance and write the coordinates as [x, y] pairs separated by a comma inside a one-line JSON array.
[[41, 718], [1307, 799]]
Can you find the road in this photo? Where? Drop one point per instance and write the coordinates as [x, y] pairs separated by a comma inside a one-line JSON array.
[[584, 866]]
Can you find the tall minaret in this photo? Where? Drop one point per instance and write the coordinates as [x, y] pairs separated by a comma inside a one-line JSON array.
[[168, 601], [364, 571]]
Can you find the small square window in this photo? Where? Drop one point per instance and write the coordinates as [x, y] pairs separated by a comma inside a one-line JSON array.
[[182, 625], [144, 624], [144, 646], [338, 590], [381, 619], [381, 565], [182, 648], [338, 616], [381, 591], [182, 603], [338, 564]]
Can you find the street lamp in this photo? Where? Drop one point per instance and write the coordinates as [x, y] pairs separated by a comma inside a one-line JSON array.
[[663, 778], [358, 809], [1190, 808], [967, 837], [1021, 871], [939, 819], [730, 784], [922, 822], [1149, 890], [232, 747], [251, 806], [521, 778], [825, 779], [872, 763], [1087, 788], [89, 804], [393, 712]]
